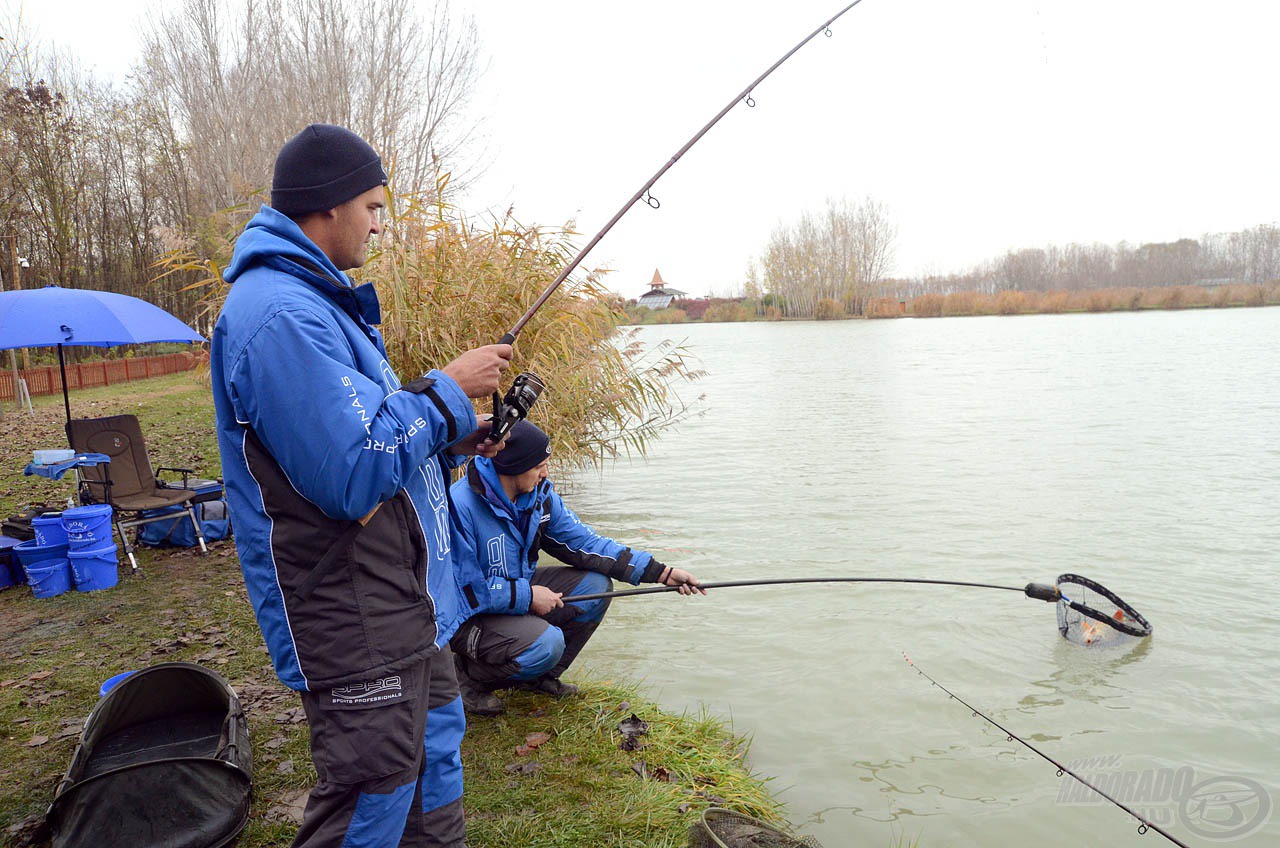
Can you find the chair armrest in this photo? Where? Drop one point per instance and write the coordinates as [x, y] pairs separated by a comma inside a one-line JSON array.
[[86, 493], [183, 471]]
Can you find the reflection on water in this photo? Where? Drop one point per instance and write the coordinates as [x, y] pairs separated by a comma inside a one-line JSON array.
[[903, 797], [1088, 674], [1138, 450]]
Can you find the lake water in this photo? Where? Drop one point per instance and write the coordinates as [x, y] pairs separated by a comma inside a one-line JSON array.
[[1141, 450]]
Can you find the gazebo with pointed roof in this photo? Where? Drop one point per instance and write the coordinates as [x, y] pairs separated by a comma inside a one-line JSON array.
[[659, 296]]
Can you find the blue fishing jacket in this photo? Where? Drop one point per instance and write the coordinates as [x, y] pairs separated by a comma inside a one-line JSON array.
[[315, 431], [496, 542]]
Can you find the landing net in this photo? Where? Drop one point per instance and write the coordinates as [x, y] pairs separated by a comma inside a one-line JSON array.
[[1091, 614], [727, 829]]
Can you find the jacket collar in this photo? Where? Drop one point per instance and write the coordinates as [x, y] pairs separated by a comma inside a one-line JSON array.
[[275, 240], [482, 478]]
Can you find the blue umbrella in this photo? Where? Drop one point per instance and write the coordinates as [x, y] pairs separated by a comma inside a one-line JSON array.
[[54, 316]]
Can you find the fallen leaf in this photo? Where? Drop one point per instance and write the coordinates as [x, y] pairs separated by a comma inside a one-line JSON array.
[[522, 768], [533, 740], [37, 741], [684, 808], [32, 831], [285, 767], [291, 806], [634, 726], [523, 750], [40, 675]]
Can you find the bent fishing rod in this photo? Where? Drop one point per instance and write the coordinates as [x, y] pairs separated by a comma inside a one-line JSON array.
[[1037, 591], [1144, 824], [515, 406]]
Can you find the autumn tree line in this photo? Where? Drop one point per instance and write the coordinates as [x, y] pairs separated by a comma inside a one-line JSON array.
[[100, 180], [142, 187], [1249, 256], [837, 264]]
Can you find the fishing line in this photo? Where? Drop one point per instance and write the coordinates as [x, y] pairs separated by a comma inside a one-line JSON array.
[[1143, 824]]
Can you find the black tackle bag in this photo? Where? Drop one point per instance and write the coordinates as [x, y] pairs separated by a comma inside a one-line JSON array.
[[164, 762]]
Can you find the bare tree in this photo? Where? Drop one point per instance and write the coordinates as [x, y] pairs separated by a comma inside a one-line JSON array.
[[839, 258], [237, 81]]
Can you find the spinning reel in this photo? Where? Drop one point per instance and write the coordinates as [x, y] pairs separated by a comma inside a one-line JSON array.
[[516, 405]]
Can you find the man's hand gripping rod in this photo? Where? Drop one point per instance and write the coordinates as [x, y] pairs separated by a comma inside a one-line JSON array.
[[503, 414]]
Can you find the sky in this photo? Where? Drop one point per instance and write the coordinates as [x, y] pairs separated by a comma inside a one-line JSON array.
[[980, 126]]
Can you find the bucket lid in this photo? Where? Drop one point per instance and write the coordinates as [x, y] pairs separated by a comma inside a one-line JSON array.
[[89, 509]]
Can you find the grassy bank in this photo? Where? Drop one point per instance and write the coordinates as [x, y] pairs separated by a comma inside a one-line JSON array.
[[575, 788]]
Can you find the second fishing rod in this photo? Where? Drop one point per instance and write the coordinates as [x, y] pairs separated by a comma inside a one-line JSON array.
[[515, 405]]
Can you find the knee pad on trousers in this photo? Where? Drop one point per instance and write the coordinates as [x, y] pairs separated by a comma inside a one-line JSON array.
[[592, 584], [542, 655]]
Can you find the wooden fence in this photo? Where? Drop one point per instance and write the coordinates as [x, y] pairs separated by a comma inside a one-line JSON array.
[[47, 380]]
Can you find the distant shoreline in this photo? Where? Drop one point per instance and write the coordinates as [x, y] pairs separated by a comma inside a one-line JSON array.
[[1008, 302]]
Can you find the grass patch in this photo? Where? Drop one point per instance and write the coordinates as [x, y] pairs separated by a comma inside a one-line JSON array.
[[577, 788]]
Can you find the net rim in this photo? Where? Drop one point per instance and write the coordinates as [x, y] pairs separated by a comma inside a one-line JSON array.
[[711, 816], [1142, 627]]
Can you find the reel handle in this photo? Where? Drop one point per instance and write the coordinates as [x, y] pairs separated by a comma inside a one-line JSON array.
[[1043, 592], [515, 406]]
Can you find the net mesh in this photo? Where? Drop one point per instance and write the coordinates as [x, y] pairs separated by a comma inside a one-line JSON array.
[[727, 829], [1091, 614]]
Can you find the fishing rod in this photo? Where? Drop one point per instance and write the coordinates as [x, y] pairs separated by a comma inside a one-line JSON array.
[[1144, 824], [1038, 591], [507, 411]]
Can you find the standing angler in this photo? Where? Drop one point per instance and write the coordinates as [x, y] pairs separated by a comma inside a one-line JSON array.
[[335, 473]]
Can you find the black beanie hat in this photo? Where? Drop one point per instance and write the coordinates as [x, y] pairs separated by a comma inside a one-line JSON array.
[[322, 167], [526, 447]]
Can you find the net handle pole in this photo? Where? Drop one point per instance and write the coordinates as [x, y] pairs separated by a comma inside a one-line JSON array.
[[1031, 590]]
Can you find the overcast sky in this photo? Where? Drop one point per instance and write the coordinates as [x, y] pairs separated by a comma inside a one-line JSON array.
[[981, 125]]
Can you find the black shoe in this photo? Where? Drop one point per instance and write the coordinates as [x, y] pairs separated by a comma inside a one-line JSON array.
[[477, 699], [553, 686]]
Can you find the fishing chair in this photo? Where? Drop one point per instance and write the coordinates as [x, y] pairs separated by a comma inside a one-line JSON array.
[[128, 482]]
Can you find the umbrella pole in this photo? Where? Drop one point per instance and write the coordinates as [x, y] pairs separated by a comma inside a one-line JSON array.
[[62, 366]]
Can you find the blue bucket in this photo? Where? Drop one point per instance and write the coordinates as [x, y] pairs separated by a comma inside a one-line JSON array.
[[48, 529], [95, 569], [48, 570], [11, 573], [110, 683], [88, 527]]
